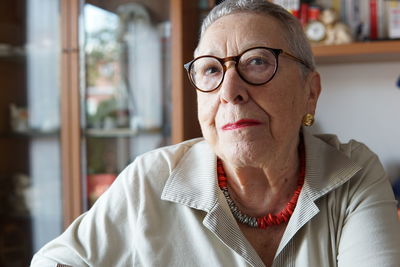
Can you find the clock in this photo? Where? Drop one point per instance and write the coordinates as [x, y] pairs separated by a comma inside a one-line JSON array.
[[315, 31]]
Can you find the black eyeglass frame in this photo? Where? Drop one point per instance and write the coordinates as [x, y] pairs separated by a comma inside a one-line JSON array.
[[275, 51]]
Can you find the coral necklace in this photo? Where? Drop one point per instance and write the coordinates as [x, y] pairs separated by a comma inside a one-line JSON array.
[[270, 219]]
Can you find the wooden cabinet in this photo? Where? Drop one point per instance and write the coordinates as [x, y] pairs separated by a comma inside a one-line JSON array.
[[47, 68], [31, 207], [80, 140]]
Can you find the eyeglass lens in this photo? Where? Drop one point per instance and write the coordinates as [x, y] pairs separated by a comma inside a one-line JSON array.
[[255, 66]]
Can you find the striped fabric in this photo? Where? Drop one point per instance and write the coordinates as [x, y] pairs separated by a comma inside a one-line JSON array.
[[345, 215], [327, 168]]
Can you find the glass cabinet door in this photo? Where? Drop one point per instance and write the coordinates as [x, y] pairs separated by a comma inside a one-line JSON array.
[[126, 86], [30, 166]]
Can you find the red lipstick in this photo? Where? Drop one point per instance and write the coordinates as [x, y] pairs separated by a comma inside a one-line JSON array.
[[240, 124]]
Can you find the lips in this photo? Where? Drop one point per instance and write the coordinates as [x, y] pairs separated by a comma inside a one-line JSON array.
[[240, 124]]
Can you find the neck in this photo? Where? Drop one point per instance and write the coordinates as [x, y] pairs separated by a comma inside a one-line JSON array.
[[258, 191]]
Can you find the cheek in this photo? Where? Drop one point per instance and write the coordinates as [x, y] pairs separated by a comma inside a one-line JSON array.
[[207, 108], [286, 95], [283, 104]]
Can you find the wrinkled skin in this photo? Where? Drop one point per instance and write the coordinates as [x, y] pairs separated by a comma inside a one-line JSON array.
[[261, 157]]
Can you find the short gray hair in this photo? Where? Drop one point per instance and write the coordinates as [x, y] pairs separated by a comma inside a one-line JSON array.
[[293, 31]]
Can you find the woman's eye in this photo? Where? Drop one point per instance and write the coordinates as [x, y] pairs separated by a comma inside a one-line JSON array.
[[210, 70], [257, 61]]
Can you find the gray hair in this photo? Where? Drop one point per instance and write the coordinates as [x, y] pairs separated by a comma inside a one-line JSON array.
[[293, 31]]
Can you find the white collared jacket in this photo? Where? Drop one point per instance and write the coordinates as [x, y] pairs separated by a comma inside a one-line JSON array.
[[166, 209]]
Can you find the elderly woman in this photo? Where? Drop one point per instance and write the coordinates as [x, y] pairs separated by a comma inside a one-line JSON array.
[[259, 189]]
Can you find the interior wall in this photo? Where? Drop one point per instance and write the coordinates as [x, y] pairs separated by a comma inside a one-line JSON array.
[[362, 102]]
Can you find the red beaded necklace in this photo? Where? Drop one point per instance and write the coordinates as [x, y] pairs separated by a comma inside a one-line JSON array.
[[269, 219]]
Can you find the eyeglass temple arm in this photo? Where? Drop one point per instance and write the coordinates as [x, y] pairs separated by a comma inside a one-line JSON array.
[[296, 59]]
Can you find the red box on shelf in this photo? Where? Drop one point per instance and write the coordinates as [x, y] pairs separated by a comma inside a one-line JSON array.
[[97, 184]]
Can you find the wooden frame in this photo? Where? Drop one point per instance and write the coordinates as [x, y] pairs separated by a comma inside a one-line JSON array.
[[184, 117], [184, 17], [70, 111], [183, 96]]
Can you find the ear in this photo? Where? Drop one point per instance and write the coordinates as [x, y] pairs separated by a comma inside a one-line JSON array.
[[313, 90]]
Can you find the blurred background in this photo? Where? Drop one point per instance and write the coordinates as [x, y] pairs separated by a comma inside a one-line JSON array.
[[86, 86]]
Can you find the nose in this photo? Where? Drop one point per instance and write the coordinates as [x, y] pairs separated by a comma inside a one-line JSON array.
[[233, 89]]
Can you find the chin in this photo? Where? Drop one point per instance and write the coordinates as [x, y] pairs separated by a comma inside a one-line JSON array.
[[244, 154], [243, 148]]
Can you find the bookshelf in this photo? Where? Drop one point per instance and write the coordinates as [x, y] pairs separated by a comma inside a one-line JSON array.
[[374, 51], [375, 20]]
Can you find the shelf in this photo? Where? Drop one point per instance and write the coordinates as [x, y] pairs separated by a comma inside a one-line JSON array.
[[10, 52], [157, 8], [119, 132], [12, 58], [30, 134], [8, 216], [374, 51]]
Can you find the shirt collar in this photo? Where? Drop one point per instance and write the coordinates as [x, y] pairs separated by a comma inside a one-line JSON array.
[[193, 182], [326, 169], [326, 166]]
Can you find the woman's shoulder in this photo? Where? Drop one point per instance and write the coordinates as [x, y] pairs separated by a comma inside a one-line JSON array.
[[356, 151], [170, 155], [155, 166], [349, 148]]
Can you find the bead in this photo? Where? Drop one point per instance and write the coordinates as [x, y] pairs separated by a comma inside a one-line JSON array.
[[269, 219]]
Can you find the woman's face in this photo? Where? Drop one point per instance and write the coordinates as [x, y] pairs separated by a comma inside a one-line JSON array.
[[251, 125]]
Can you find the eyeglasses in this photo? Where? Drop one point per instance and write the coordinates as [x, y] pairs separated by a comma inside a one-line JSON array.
[[256, 66]]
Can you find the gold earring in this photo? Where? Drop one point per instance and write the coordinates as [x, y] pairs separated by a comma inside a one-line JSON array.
[[308, 119]]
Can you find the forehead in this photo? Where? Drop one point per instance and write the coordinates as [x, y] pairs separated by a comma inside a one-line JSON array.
[[234, 33]]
